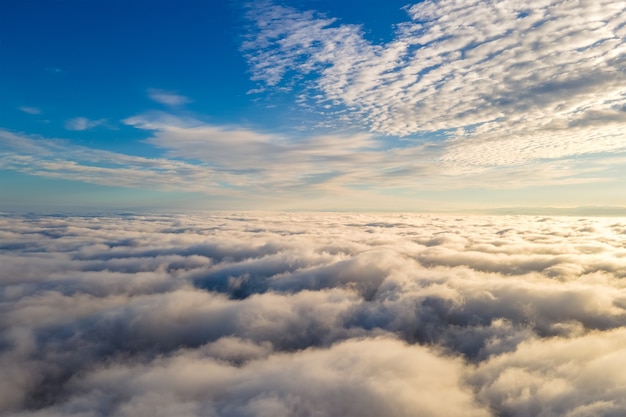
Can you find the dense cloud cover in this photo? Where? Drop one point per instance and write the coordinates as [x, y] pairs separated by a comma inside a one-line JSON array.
[[235, 314]]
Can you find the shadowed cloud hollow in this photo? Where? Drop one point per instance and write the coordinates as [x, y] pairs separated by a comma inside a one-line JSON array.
[[296, 314]]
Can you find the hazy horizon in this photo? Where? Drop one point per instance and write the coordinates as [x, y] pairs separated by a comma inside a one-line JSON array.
[[64, 210]]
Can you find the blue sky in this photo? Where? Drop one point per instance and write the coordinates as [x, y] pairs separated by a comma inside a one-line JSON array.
[[312, 105]]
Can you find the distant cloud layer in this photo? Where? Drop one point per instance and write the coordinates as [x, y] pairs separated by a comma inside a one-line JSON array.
[[510, 81], [329, 314]]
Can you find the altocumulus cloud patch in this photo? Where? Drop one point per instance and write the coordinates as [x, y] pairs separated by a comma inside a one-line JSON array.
[[237, 314]]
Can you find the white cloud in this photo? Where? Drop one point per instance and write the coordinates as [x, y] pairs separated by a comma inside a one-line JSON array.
[[83, 123], [277, 312], [30, 110], [56, 158], [167, 97], [515, 381], [337, 162], [489, 150], [525, 81], [381, 377], [259, 159], [347, 170]]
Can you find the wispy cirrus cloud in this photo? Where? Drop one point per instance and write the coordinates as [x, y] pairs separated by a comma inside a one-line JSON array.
[[167, 97], [341, 161], [543, 80], [83, 123], [57, 158], [323, 171], [29, 110], [260, 159]]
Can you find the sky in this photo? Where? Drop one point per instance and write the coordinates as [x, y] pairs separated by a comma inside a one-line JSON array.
[[443, 105]]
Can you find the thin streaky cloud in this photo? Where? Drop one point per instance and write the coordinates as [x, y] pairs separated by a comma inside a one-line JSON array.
[[230, 160], [54, 158], [340, 161], [29, 110], [83, 123], [167, 98]]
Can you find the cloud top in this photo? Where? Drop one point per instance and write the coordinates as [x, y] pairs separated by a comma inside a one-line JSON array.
[[253, 314]]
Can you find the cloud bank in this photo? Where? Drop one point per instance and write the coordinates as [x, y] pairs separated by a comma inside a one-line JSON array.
[[244, 314]]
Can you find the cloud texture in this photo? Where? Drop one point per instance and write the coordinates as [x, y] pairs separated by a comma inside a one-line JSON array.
[[509, 82], [237, 314]]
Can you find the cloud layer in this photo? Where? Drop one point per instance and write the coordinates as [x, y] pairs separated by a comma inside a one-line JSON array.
[[244, 314], [509, 82], [322, 171]]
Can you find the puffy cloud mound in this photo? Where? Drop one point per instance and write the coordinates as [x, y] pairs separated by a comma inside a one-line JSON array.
[[247, 314]]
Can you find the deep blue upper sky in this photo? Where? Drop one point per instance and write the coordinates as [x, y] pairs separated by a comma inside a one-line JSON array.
[[312, 104], [97, 59]]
